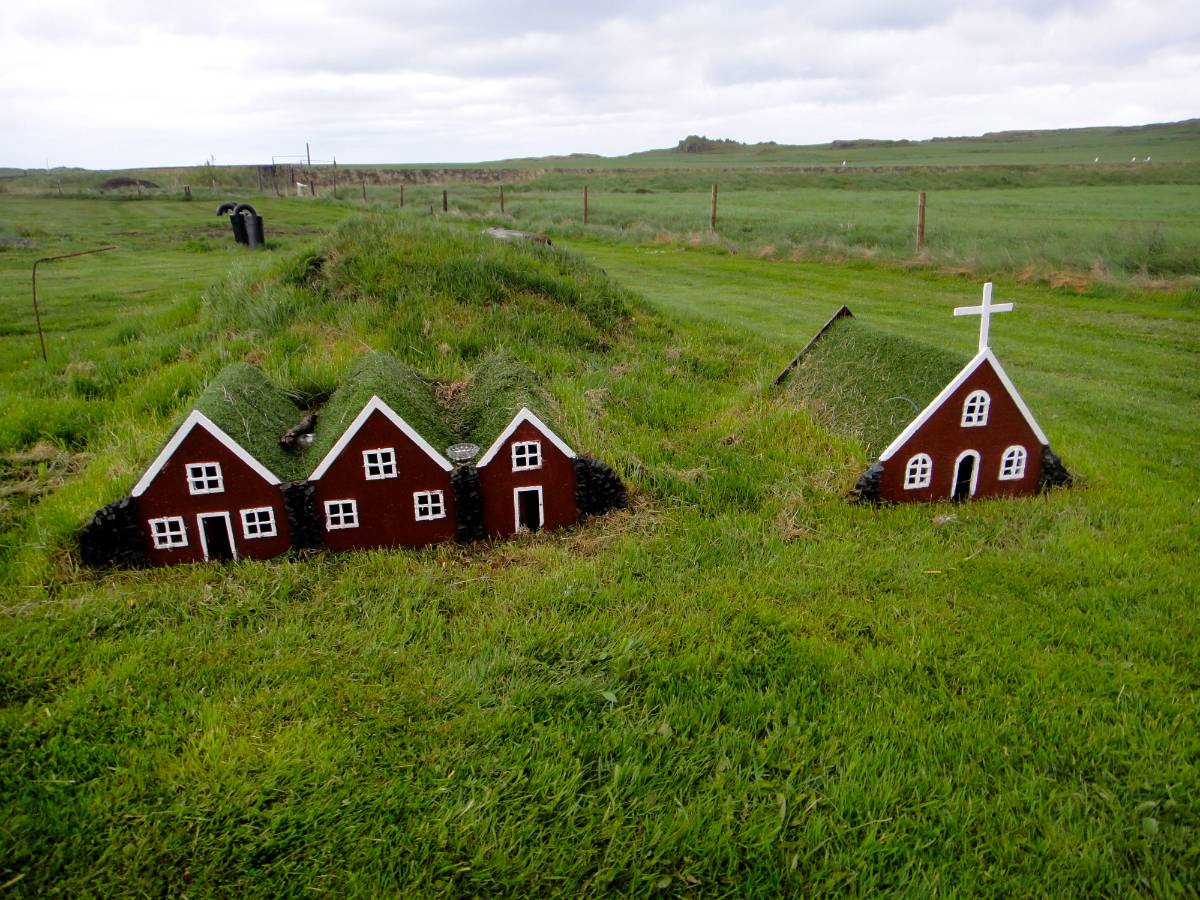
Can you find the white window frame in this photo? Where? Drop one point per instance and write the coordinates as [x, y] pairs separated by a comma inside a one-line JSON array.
[[346, 509], [919, 472], [1012, 463], [434, 502], [168, 538], [384, 463], [255, 526], [200, 480], [520, 461], [975, 409]]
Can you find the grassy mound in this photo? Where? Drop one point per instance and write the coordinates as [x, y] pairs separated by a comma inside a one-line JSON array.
[[254, 412], [401, 388], [856, 380], [406, 265]]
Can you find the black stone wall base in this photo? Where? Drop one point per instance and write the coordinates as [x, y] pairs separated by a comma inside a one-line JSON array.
[[299, 497], [866, 490], [113, 537], [1054, 473], [597, 488], [468, 504]]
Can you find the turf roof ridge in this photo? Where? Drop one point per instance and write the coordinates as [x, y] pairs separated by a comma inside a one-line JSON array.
[[500, 387], [380, 374], [252, 410]]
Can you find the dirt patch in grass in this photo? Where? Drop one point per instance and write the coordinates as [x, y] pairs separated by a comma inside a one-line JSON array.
[[122, 181], [28, 475]]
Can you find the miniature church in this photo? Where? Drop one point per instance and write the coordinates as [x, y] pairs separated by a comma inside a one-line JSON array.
[[974, 438]]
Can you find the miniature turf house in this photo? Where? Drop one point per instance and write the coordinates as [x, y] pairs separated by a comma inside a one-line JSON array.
[[974, 436], [375, 478], [528, 478], [212, 492], [379, 481]]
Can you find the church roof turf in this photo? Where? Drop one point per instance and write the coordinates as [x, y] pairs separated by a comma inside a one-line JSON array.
[[867, 384]]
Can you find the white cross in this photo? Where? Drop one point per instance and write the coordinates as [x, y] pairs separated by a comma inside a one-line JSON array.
[[984, 311]]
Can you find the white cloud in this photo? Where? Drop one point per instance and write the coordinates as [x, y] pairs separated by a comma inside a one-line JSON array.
[[372, 81]]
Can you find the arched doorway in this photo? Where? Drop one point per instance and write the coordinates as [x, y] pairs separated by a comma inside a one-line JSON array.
[[966, 476]]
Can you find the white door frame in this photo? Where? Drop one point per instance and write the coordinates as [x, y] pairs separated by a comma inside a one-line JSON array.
[[517, 506], [200, 517], [974, 473]]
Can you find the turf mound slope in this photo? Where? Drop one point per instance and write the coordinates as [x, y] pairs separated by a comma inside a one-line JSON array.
[[866, 384], [419, 268]]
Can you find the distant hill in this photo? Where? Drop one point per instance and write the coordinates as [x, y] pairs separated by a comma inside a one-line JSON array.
[[1159, 142]]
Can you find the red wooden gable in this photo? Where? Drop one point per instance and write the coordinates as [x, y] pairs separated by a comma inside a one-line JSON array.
[[383, 485], [518, 495], [992, 449], [204, 491]]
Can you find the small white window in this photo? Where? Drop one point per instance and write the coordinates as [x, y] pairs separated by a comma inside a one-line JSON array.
[[341, 514], [527, 455], [205, 478], [379, 463], [259, 522], [429, 505], [919, 472], [975, 410], [168, 533], [1012, 464]]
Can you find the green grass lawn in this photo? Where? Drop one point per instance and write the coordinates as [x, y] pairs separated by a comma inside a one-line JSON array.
[[743, 685]]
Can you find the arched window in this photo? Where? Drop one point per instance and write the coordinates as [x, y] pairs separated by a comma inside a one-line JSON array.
[[1012, 464], [975, 409], [919, 472]]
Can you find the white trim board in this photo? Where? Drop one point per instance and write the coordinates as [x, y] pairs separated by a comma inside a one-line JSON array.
[[375, 404], [525, 416], [981, 357], [198, 419]]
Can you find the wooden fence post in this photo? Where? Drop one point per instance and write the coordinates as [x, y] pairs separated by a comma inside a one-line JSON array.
[[445, 201], [364, 185], [312, 183], [335, 179], [920, 222], [402, 196], [501, 199], [585, 205], [712, 215]]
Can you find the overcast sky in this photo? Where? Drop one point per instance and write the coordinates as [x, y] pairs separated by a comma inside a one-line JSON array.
[[120, 83]]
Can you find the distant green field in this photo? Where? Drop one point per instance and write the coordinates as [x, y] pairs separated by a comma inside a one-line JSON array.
[[742, 686], [1027, 204]]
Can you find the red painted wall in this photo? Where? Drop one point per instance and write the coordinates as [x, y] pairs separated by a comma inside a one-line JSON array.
[[943, 438], [385, 506], [168, 495], [497, 480]]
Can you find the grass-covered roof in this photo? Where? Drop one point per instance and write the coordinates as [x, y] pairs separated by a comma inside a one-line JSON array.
[[399, 386], [858, 381], [499, 387], [245, 404]]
